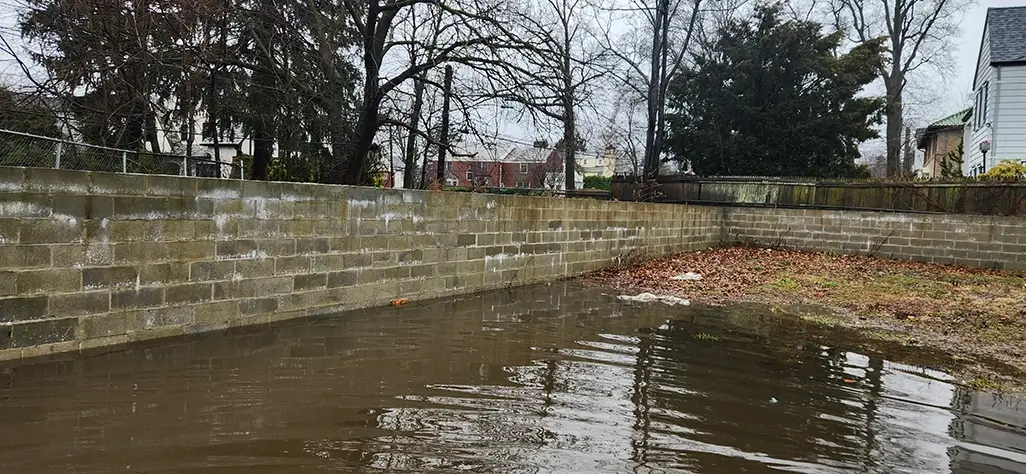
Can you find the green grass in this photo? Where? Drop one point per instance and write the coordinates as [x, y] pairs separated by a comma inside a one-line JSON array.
[[702, 336], [787, 283]]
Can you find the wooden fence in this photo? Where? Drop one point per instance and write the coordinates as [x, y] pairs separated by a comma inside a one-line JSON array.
[[986, 198]]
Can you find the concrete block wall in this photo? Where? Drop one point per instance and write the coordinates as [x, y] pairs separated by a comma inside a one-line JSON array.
[[952, 239], [96, 259]]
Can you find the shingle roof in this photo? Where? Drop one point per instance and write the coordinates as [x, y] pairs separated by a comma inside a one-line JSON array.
[[528, 155], [1007, 34]]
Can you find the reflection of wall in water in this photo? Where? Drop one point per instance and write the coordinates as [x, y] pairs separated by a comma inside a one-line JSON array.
[[979, 419]]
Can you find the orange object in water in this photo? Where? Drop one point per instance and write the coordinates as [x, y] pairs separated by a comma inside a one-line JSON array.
[[849, 381], [399, 302]]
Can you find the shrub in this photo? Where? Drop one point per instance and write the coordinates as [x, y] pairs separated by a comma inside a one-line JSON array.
[[598, 182], [1007, 170]]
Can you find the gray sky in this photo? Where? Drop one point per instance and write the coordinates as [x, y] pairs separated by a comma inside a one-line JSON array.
[[952, 96]]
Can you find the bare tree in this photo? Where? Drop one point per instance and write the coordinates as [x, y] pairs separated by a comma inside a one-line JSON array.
[[624, 132], [557, 70], [918, 32], [649, 63], [469, 33]]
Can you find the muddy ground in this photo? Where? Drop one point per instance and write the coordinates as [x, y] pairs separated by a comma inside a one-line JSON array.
[[976, 316]]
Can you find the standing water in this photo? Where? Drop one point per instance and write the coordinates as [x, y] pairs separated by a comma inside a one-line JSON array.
[[541, 379]]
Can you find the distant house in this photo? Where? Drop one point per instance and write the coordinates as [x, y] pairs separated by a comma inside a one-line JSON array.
[[999, 93], [516, 168], [536, 167], [601, 163], [939, 140]]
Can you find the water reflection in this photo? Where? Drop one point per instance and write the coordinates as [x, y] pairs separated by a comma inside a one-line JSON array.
[[543, 379]]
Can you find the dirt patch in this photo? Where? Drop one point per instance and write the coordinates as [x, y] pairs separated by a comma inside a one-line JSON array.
[[977, 315]]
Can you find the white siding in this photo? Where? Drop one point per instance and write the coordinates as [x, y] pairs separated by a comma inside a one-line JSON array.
[[974, 132], [1010, 125]]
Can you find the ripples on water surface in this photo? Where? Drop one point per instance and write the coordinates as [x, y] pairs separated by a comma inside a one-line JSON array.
[[543, 379]]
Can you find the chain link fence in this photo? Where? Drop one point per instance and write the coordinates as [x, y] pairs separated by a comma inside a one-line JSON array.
[[23, 149]]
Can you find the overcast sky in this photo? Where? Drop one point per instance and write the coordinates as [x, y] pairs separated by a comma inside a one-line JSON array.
[[952, 96]]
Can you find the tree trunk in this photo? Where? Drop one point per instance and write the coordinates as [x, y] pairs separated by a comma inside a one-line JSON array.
[[444, 139], [367, 125], [410, 160], [366, 128], [651, 154], [263, 99], [894, 126], [570, 144], [151, 131], [263, 148]]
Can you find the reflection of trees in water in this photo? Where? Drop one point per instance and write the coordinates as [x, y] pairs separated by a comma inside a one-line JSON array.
[[705, 383], [527, 379]]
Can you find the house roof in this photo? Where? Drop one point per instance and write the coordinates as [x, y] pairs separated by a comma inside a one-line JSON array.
[[529, 155], [955, 120], [1007, 35]]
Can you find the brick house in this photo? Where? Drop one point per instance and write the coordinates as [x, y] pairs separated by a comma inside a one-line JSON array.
[[939, 139], [519, 168]]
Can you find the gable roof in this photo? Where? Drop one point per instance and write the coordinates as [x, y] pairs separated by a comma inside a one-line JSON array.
[[529, 155], [1007, 29], [1007, 35], [955, 120]]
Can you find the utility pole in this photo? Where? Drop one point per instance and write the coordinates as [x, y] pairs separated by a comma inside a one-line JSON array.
[[444, 139]]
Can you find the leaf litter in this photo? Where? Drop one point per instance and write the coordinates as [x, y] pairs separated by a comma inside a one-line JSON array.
[[975, 314]]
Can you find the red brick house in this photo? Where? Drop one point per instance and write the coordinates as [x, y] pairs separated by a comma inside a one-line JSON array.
[[520, 168]]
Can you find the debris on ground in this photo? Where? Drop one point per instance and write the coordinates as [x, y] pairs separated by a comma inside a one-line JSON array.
[[689, 276], [975, 313], [649, 298]]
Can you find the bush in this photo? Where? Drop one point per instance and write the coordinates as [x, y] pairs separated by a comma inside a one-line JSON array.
[[1007, 170], [598, 182]]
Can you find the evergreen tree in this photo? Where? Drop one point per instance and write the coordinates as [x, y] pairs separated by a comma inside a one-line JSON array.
[[951, 166], [772, 97]]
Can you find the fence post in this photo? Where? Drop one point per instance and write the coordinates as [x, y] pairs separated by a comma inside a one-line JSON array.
[[124, 162], [57, 161], [242, 169], [185, 166]]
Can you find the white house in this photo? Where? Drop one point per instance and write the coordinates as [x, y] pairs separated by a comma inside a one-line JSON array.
[[998, 120]]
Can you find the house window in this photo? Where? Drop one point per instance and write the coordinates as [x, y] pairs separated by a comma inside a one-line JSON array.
[[980, 114], [470, 175], [521, 184], [448, 166], [523, 169]]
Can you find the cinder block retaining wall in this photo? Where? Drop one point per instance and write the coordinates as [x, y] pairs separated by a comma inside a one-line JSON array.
[[97, 259], [954, 239]]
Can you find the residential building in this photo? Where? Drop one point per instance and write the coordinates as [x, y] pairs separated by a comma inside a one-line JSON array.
[[537, 166], [603, 163], [939, 140], [998, 118], [524, 167]]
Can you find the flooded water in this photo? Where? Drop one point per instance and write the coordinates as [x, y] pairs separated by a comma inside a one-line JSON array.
[[542, 379]]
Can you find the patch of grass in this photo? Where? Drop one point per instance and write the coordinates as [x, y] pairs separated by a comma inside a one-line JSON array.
[[822, 319], [703, 336], [986, 384], [829, 284], [787, 283]]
